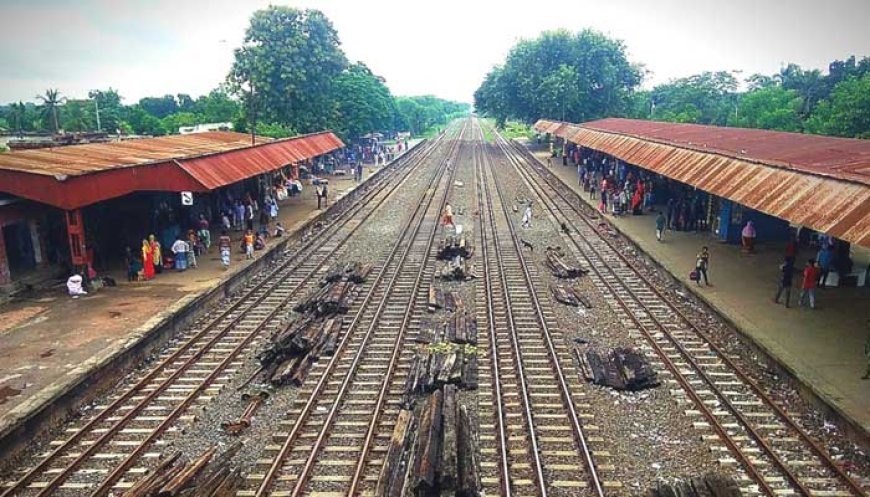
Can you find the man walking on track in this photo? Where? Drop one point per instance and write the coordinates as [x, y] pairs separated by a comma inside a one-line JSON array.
[[448, 216], [527, 216]]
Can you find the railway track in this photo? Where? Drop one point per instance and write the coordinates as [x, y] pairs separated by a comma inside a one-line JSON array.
[[348, 415], [104, 447], [536, 443], [768, 448]]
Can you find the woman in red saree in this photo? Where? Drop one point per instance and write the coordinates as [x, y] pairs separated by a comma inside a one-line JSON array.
[[147, 260]]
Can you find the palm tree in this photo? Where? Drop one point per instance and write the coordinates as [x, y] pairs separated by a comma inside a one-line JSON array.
[[50, 102]]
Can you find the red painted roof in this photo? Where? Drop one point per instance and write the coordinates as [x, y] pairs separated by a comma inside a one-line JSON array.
[[225, 168], [80, 175], [782, 176], [841, 158]]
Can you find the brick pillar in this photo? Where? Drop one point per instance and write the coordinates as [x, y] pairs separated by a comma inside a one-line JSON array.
[[5, 274]]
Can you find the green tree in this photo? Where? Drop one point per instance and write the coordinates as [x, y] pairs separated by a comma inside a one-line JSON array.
[[706, 98], [558, 92], [809, 85], [143, 123], [534, 76], [275, 130], [216, 107], [771, 107], [364, 103], [172, 122], [185, 103], [159, 107], [78, 116], [112, 112], [289, 60], [51, 101], [846, 113]]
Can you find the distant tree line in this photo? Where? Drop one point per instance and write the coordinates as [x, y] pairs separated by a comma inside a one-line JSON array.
[[290, 76], [583, 76]]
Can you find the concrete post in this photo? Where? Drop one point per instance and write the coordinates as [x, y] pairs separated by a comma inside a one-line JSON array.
[[5, 273]]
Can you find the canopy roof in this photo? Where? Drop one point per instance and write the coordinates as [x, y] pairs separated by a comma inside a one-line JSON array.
[[816, 181], [78, 175]]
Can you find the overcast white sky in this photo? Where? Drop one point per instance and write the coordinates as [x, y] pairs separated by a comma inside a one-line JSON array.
[[440, 47]]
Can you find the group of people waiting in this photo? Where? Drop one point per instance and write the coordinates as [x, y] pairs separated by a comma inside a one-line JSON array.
[[815, 273]]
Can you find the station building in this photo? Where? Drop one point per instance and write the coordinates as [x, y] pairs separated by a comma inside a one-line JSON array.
[[788, 184], [68, 207]]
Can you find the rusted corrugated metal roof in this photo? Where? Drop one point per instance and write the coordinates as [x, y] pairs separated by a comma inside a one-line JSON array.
[[839, 208], [229, 167], [89, 158], [86, 174], [793, 183], [842, 158]]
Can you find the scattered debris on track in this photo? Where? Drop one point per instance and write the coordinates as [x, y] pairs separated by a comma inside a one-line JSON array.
[[619, 368], [701, 486], [433, 453], [560, 267], [204, 476], [454, 246], [291, 351], [569, 295]]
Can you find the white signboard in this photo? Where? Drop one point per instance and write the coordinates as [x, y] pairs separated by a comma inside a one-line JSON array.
[[186, 198]]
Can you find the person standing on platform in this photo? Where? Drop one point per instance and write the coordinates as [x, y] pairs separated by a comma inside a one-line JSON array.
[[179, 248], [808, 286], [249, 216], [748, 234], [702, 264], [660, 226], [249, 244], [786, 275], [671, 210], [824, 258], [239, 215], [325, 194], [791, 250], [156, 253], [147, 260], [204, 234], [225, 245]]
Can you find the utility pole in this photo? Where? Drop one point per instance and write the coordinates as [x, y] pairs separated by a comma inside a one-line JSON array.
[[97, 105], [253, 119]]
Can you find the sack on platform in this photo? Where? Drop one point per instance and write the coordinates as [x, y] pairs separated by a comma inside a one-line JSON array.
[[695, 275]]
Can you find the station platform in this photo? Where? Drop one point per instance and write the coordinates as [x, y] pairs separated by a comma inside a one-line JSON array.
[[823, 349], [49, 341]]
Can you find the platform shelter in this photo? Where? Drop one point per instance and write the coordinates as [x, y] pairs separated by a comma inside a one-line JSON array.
[[65, 205], [788, 184]]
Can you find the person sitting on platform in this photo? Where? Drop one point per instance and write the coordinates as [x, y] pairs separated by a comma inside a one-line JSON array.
[[74, 286], [260, 242], [279, 230]]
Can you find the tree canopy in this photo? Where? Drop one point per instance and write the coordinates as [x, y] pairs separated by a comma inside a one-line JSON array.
[[570, 76]]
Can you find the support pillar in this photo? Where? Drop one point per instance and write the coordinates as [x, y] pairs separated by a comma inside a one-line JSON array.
[[75, 229], [5, 273]]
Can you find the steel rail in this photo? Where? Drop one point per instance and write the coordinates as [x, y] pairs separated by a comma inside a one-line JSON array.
[[105, 485], [483, 200], [162, 366], [359, 468], [783, 467], [280, 457], [580, 436]]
